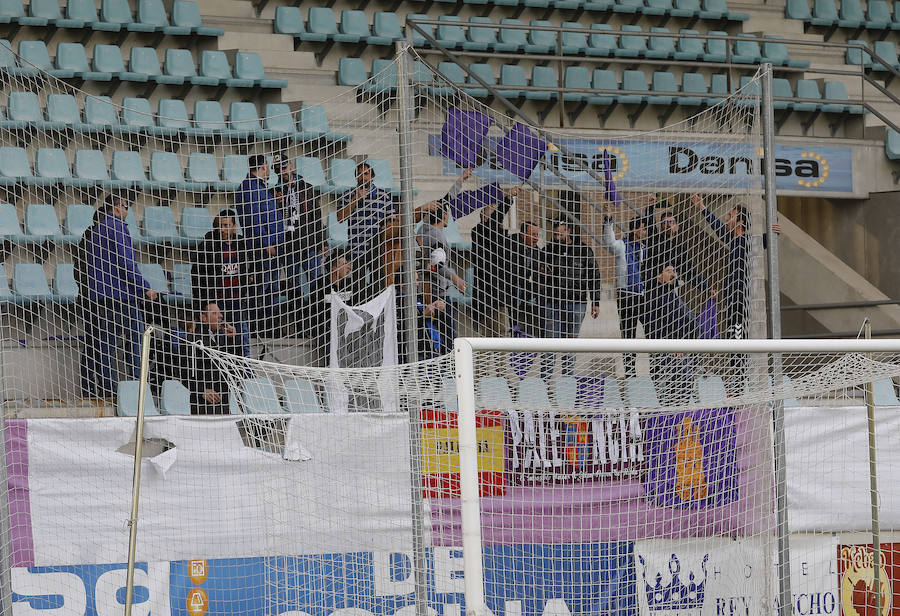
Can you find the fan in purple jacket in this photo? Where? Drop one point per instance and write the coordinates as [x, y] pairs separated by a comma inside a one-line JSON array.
[[113, 311]]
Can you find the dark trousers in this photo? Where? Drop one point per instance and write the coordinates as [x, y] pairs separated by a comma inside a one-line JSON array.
[[630, 307], [735, 329], [673, 377], [106, 323]]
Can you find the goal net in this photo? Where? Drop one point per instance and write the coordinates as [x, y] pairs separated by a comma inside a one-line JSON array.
[[306, 269]]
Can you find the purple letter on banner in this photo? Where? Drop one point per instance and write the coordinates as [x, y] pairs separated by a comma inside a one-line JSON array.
[[520, 151], [463, 135], [691, 459]]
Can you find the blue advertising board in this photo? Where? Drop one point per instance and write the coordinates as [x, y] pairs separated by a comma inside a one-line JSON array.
[[676, 165]]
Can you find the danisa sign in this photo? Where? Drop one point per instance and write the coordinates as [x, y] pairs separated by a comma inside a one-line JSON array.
[[676, 165]]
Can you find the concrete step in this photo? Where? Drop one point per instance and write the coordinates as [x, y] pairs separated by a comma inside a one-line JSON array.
[[212, 10], [258, 42]]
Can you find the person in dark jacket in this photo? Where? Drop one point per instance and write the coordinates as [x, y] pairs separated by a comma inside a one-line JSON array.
[[263, 226], [489, 243], [665, 245], [209, 388], [570, 282], [668, 317], [222, 273], [520, 259], [115, 288]]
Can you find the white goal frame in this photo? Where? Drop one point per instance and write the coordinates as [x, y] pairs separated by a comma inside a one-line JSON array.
[[465, 348]]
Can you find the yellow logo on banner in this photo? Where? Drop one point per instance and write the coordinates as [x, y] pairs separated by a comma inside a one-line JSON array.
[[440, 447], [690, 480], [858, 583], [197, 571], [197, 602]]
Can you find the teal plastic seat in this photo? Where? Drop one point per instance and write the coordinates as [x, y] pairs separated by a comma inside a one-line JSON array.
[[565, 390], [85, 11], [337, 231], [512, 77], [884, 393], [747, 51], [180, 63], [354, 27], [384, 78], [511, 40], [532, 391], [10, 228], [127, 170], [601, 43], [259, 396], [776, 52], [196, 222], [14, 166], [628, 6], [49, 11], [320, 26], [312, 123], [450, 35], [235, 168], [452, 73], [309, 169], [604, 80], [695, 84], [657, 7], [631, 45], [711, 390], [244, 120], [612, 394], [278, 121], [119, 12], [858, 56], [718, 9], [12, 12], [214, 65], [185, 13], [289, 20], [182, 293], [34, 59], [577, 78], [174, 398], [851, 14], [144, 60], [137, 118], [351, 72], [885, 55], [878, 15], [153, 13], [486, 73], [798, 9], [167, 173], [637, 81], [159, 224], [209, 119], [52, 167], [418, 39], [30, 284], [492, 392], [716, 49], [172, 118], [6, 295], [202, 169], [662, 81], [90, 170], [836, 99], [385, 29], [8, 62], [573, 43], [685, 8], [541, 41], [448, 396], [689, 48], [41, 223], [824, 13], [384, 178], [342, 175], [807, 88], [660, 47], [24, 111], [79, 217], [65, 289], [543, 77], [108, 59], [480, 38], [641, 393], [63, 113], [781, 88], [128, 397], [155, 276], [300, 397], [248, 65]]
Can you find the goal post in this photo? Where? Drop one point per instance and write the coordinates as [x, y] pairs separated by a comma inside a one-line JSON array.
[[771, 394]]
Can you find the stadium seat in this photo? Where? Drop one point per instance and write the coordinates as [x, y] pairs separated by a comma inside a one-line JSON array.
[[657, 7], [858, 56], [565, 390], [355, 27], [834, 92], [108, 59], [8, 62], [603, 80], [167, 172], [878, 15], [886, 52], [85, 11], [662, 81], [486, 73], [628, 6], [718, 88], [452, 73], [601, 43], [892, 144], [510, 40], [6, 295], [185, 13], [337, 231], [127, 170], [450, 35], [492, 392], [660, 47], [244, 121], [300, 397], [119, 12], [196, 222], [46, 10], [65, 289], [159, 224], [640, 392], [153, 13], [10, 228], [155, 276], [480, 38], [144, 60], [41, 222], [214, 65], [23, 111], [884, 393], [234, 169], [259, 396], [384, 78], [418, 39], [248, 65], [79, 217], [543, 77], [384, 178], [14, 167], [612, 394], [788, 402], [181, 284], [36, 59], [541, 41], [717, 9], [448, 395], [289, 20], [127, 400], [807, 88], [689, 48], [137, 118], [342, 175], [824, 13], [202, 170], [532, 392], [512, 77], [573, 43], [51, 167], [781, 88], [351, 72], [321, 25], [716, 49], [278, 122], [851, 14], [30, 284], [685, 8], [172, 117], [776, 53], [386, 29], [180, 63], [313, 124], [746, 51], [630, 45], [798, 9], [174, 398], [70, 57], [90, 170], [636, 81], [63, 113], [309, 169], [577, 78], [13, 12], [209, 120], [711, 389], [693, 83]]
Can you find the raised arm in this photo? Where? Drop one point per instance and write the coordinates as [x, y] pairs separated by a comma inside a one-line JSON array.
[[717, 225], [608, 239]]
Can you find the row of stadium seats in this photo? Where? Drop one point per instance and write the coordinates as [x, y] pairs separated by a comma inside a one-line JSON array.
[[143, 66], [115, 16], [30, 285], [101, 115], [126, 171], [825, 13], [885, 50]]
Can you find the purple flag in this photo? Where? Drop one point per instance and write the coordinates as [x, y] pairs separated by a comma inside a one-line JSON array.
[[612, 193], [691, 459], [468, 201], [462, 136], [707, 321], [520, 151]]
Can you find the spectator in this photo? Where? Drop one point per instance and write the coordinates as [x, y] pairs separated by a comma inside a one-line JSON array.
[[518, 287], [114, 287], [667, 317], [318, 307], [371, 217], [665, 246], [489, 245], [209, 388], [263, 226], [223, 271], [439, 275], [571, 281], [629, 253], [305, 241], [432, 342]]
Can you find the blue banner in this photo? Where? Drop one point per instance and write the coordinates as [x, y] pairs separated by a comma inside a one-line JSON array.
[[675, 165]]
